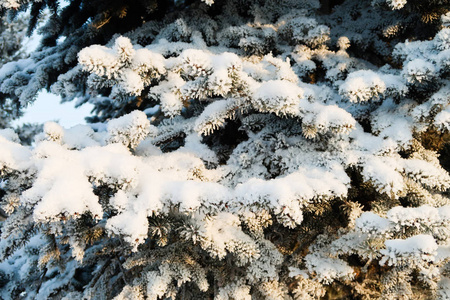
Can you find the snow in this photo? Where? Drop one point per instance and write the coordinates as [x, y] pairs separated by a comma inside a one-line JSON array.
[[442, 39], [194, 145], [171, 104], [148, 184], [327, 269], [130, 129], [372, 223], [13, 155], [388, 124], [226, 60], [79, 137], [192, 194], [132, 82], [343, 43], [414, 216], [145, 59], [419, 70], [290, 193], [59, 170], [298, 144], [419, 248], [443, 253], [111, 164], [9, 135], [444, 213], [10, 4], [14, 66], [363, 85], [222, 233], [396, 4], [277, 69], [131, 69], [442, 120], [427, 174], [212, 117], [128, 293], [133, 226], [124, 48], [99, 59], [384, 175], [324, 118], [196, 62], [49, 286], [152, 110], [220, 82], [278, 96], [444, 288]]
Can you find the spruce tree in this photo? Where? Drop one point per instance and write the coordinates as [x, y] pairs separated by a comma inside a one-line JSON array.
[[259, 149], [12, 37]]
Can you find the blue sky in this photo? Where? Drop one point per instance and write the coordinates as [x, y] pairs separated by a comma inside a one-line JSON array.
[[47, 107]]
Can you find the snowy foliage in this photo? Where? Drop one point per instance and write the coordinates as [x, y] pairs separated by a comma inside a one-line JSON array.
[[239, 150]]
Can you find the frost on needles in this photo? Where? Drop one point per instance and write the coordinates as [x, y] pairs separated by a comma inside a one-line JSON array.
[[237, 150]]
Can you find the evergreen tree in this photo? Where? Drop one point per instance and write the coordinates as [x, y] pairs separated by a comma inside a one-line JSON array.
[[11, 48], [239, 150]]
